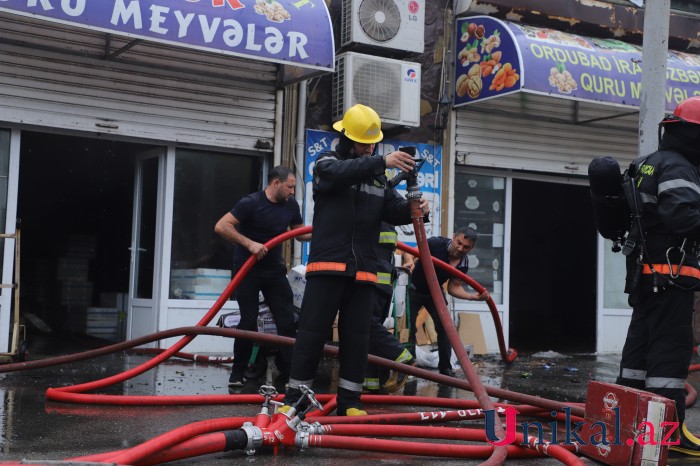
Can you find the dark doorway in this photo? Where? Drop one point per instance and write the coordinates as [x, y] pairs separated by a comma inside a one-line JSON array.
[[553, 268], [75, 204]]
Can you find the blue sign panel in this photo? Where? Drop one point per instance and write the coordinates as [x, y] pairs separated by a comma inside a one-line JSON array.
[[547, 61], [488, 61], [283, 31], [429, 180]]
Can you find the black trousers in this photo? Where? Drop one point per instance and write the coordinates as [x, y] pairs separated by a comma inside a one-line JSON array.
[[381, 342], [324, 297], [659, 343], [278, 296], [418, 300]]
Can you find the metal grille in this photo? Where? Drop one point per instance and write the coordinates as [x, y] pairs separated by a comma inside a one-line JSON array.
[[379, 19], [378, 85], [346, 23], [338, 107]]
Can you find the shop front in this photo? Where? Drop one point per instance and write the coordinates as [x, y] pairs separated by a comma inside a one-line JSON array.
[[126, 130], [533, 107]]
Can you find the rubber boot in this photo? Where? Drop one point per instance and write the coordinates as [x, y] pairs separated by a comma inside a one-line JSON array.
[[349, 403], [397, 380], [291, 396]]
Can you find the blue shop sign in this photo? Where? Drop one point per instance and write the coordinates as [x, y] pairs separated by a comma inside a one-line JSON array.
[[282, 31], [495, 57], [429, 180]]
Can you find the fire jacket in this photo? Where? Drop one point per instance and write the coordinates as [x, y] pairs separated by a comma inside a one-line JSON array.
[[669, 189], [351, 198]]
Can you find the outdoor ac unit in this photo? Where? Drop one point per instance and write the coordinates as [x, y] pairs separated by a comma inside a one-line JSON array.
[[394, 24], [390, 87]]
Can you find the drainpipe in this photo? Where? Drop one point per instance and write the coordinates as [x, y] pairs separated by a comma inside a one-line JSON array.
[[299, 162], [277, 150], [652, 102]]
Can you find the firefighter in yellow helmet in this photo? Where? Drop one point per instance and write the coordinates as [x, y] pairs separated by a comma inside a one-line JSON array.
[[351, 198]]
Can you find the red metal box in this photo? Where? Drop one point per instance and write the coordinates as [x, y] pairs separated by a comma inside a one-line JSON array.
[[628, 427]]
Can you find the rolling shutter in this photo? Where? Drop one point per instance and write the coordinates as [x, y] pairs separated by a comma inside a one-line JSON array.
[[538, 133], [63, 77]]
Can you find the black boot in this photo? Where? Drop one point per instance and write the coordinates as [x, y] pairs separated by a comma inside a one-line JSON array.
[[349, 403], [291, 397], [689, 444]]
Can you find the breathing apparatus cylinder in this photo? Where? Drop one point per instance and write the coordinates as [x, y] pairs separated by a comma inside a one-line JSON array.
[[610, 207]]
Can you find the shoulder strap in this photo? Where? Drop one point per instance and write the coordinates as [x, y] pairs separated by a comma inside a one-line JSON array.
[[634, 202]]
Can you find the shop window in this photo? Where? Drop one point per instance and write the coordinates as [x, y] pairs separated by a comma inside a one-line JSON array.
[[614, 272], [207, 185], [480, 203]]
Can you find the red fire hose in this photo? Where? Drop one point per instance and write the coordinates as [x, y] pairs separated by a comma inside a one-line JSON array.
[[205, 437], [509, 354]]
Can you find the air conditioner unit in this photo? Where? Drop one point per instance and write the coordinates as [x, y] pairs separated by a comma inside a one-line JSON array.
[[391, 87], [394, 24]]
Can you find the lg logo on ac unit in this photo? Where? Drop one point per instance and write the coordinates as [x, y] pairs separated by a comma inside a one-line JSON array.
[[413, 9]]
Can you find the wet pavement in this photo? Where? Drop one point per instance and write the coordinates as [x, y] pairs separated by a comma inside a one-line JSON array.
[[33, 429]]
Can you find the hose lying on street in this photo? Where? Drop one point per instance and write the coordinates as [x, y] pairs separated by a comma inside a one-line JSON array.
[[252, 433]]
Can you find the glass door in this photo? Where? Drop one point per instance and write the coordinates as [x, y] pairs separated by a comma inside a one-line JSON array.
[[145, 256], [9, 172]]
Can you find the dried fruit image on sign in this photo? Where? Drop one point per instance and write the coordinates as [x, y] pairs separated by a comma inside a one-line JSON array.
[[506, 77], [560, 78], [272, 9], [484, 67]]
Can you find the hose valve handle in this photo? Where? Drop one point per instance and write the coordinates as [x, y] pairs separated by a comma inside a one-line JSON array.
[[267, 391], [276, 404], [311, 396]]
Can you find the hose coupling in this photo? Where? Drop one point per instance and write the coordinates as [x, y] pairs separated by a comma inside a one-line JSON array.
[[314, 428], [302, 440], [413, 194], [255, 438]]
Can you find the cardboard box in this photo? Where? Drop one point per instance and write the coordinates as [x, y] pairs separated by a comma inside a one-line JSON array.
[[335, 336], [425, 328], [628, 415], [471, 332]]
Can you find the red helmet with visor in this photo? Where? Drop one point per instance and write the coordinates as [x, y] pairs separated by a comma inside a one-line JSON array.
[[687, 111]]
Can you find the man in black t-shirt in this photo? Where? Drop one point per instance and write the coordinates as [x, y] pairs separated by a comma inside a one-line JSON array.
[[453, 252], [254, 220]]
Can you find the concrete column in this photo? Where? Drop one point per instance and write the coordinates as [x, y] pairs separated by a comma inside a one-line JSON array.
[[652, 106]]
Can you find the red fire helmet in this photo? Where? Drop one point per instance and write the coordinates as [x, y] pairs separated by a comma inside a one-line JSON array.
[[687, 111]]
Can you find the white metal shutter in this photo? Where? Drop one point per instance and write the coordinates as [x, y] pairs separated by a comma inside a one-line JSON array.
[[538, 133], [57, 76]]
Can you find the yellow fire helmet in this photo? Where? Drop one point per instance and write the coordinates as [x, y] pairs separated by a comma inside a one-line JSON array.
[[361, 124]]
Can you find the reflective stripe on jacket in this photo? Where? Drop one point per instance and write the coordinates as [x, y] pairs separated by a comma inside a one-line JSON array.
[[351, 198]]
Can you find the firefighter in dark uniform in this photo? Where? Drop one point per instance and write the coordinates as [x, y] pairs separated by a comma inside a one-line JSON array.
[[351, 198], [381, 342], [664, 266]]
